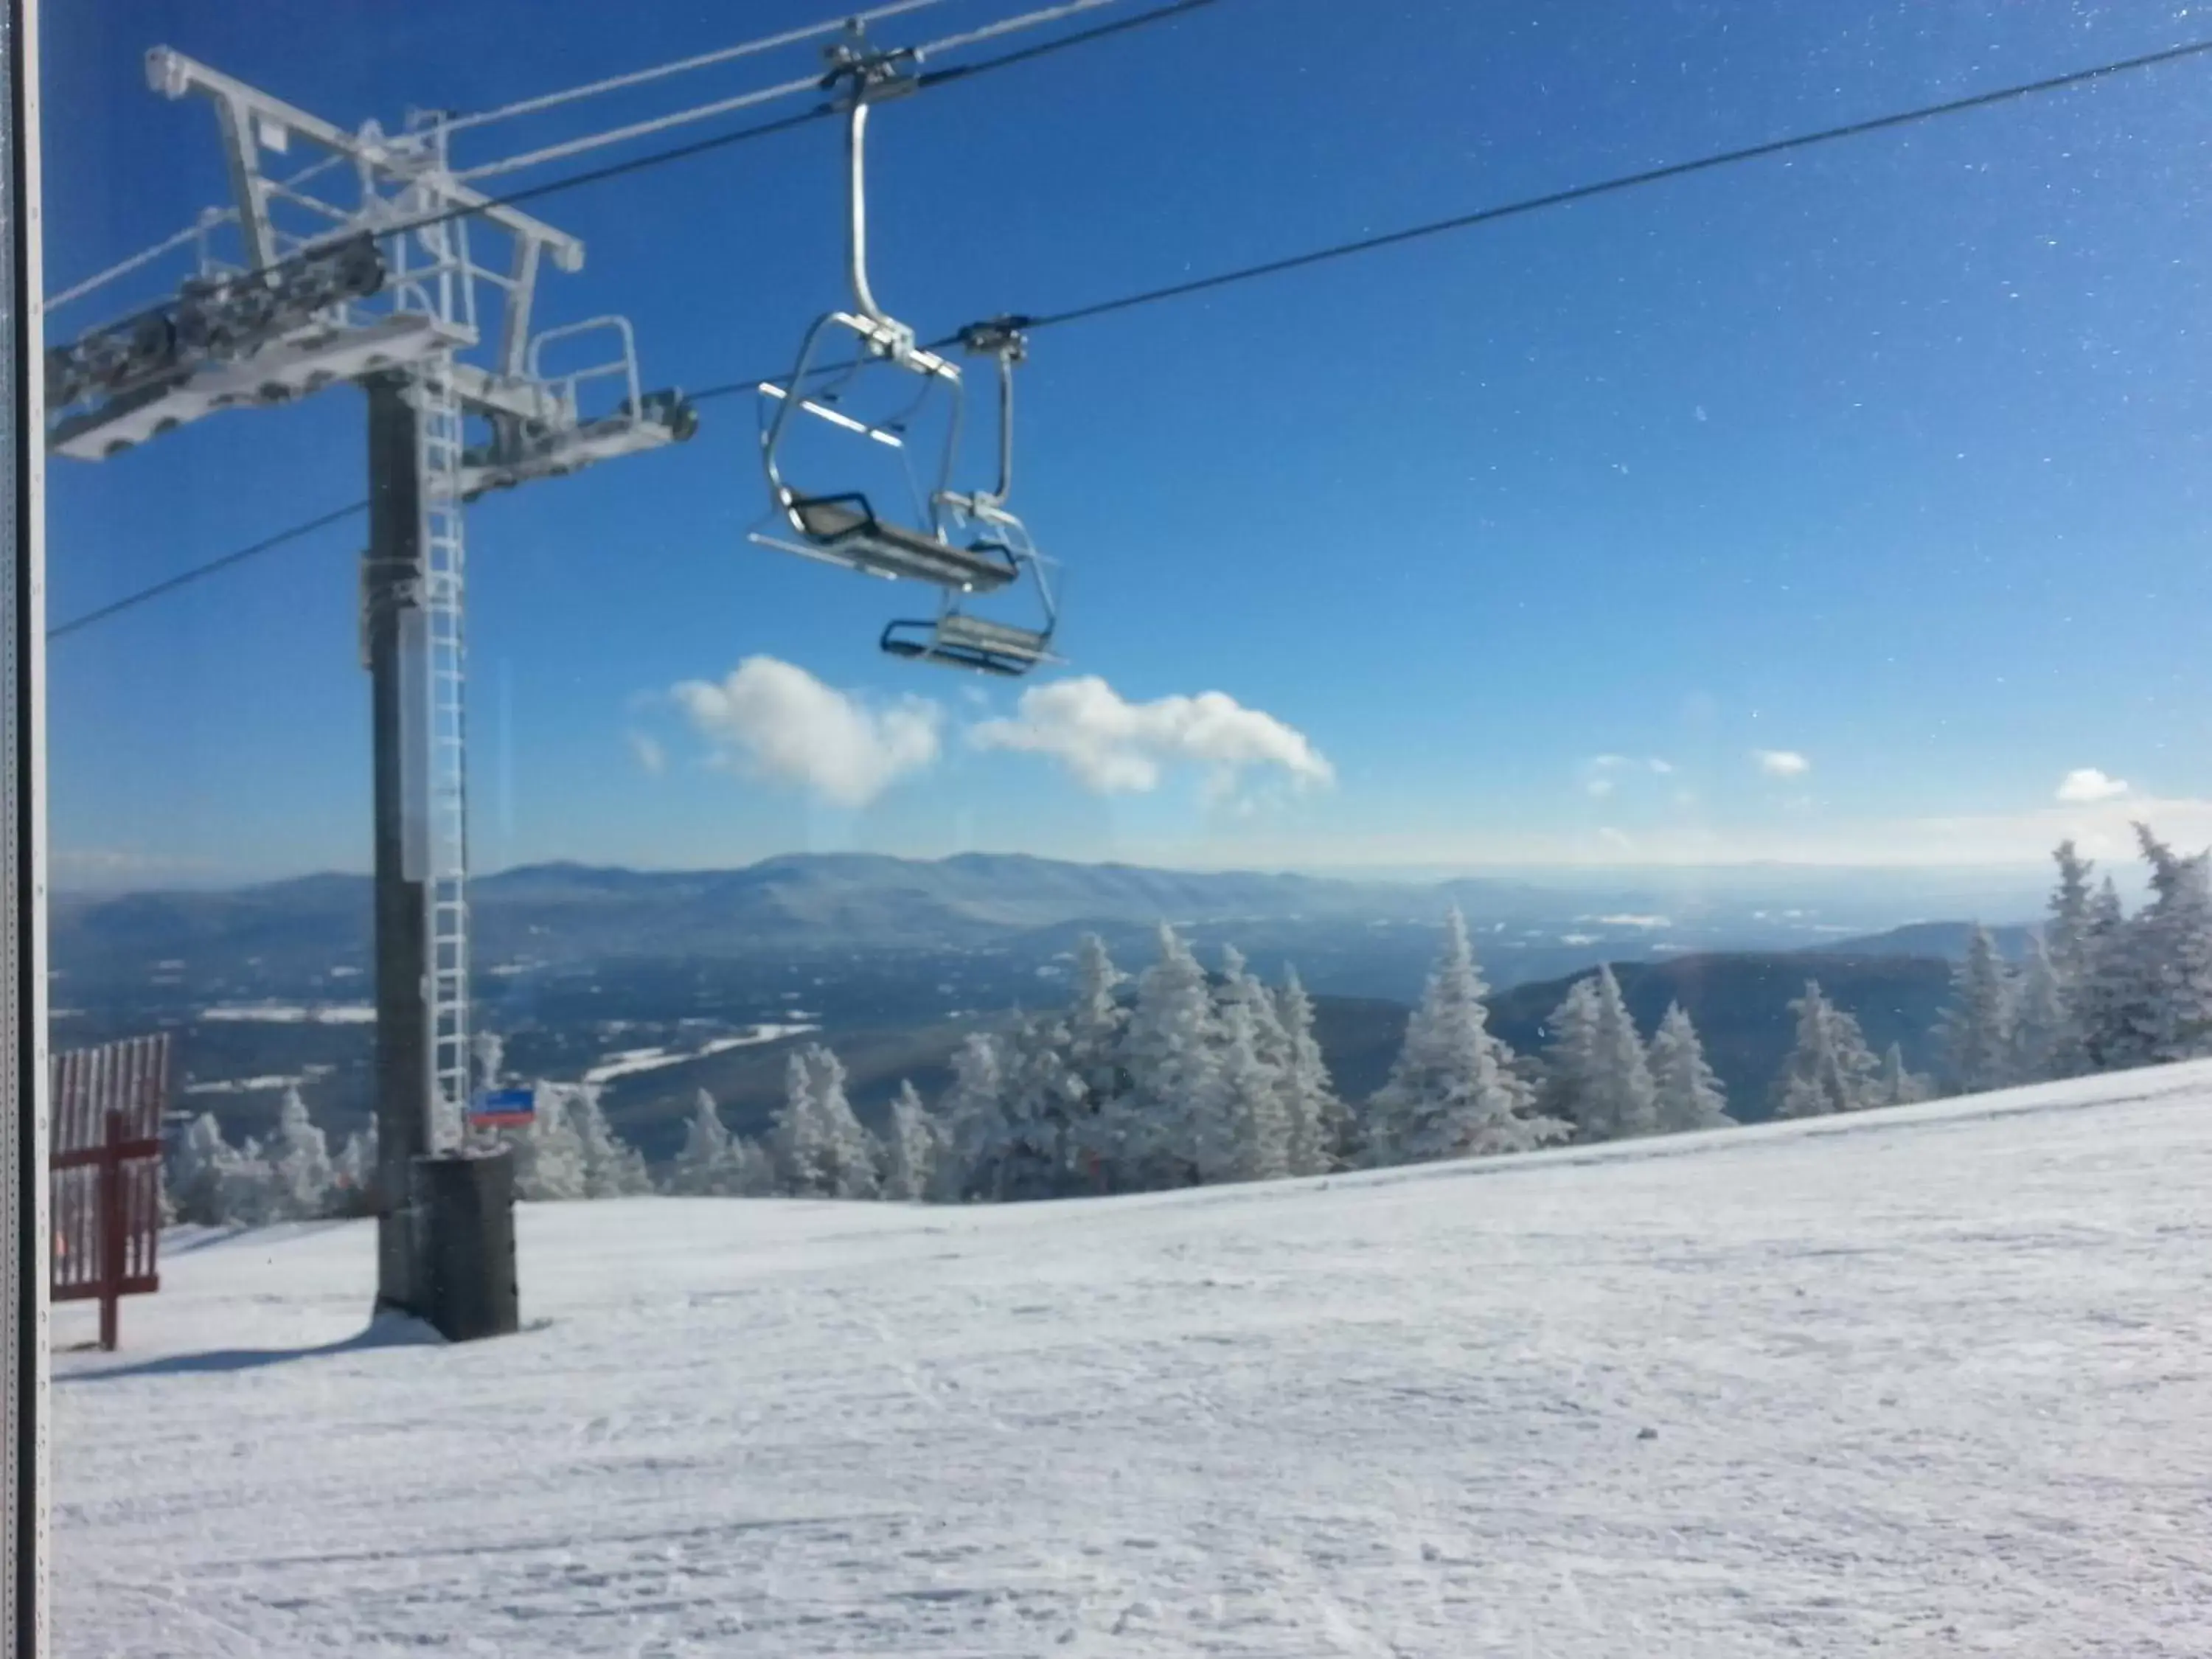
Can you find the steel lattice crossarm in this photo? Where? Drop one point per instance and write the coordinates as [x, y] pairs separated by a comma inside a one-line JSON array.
[[333, 278]]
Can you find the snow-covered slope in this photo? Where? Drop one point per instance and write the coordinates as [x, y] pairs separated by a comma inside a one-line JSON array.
[[1927, 1381]]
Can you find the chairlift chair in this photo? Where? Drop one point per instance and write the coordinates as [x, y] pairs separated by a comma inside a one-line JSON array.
[[846, 528], [956, 638]]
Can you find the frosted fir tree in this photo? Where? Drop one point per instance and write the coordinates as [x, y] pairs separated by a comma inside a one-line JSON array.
[[487, 1051], [1317, 1127], [1453, 1091], [198, 1169], [353, 1172], [2174, 945], [910, 1148], [247, 1193], [1898, 1086], [1042, 1105], [1618, 1096], [752, 1170], [2110, 1004], [1245, 1138], [1570, 1058], [1095, 1019], [2067, 931], [2039, 1020], [548, 1151], [853, 1153], [299, 1163], [613, 1168], [1830, 1069], [973, 1113], [1170, 1052], [704, 1166], [799, 1138], [1686, 1092], [1977, 1026], [1257, 1105]]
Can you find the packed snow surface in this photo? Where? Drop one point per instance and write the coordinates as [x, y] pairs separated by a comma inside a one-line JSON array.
[[293, 1013], [1934, 1380], [628, 1062]]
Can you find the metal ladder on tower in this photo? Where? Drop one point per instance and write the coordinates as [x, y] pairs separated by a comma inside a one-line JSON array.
[[439, 438]]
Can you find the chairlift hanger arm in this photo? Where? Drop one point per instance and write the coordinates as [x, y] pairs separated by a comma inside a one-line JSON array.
[[175, 75]]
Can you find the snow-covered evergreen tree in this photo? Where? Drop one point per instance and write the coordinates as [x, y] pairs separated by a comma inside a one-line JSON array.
[[299, 1163], [1095, 1022], [1171, 1054], [799, 1138], [1096, 1018], [854, 1154], [910, 1146], [2039, 1020], [1452, 1092], [2174, 945], [549, 1150], [2111, 1000], [1570, 1058], [1687, 1094], [1042, 1104], [1977, 1026], [613, 1168], [972, 1114], [1246, 1138], [822, 1146], [1898, 1086], [1830, 1069], [199, 1168], [353, 1172], [752, 1169], [2070, 901], [1618, 1096], [704, 1167], [488, 1049], [1317, 1127], [1256, 1102]]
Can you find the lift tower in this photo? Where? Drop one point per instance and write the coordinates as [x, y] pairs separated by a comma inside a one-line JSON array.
[[375, 264]]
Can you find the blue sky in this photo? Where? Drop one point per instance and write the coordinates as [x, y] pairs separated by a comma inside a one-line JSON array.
[[1890, 458]]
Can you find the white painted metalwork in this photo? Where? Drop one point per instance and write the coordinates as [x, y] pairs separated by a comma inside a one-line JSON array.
[[438, 447]]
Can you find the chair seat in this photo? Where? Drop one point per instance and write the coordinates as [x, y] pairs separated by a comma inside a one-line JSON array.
[[845, 527], [959, 642]]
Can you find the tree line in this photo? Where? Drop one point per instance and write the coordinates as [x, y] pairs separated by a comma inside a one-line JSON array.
[[1186, 1078]]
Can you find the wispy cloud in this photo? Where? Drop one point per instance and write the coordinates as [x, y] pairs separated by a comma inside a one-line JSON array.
[[652, 759], [1602, 774], [1114, 746], [2085, 784], [778, 721], [1781, 762]]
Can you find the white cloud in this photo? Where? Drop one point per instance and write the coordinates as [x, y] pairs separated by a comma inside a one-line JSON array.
[[1781, 762], [1628, 921], [780, 722], [2086, 783], [1600, 774], [652, 759], [1114, 746]]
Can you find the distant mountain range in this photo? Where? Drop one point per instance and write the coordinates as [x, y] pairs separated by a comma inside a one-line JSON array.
[[892, 958], [555, 914]]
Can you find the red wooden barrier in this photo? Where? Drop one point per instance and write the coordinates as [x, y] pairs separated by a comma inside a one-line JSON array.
[[104, 1172]]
